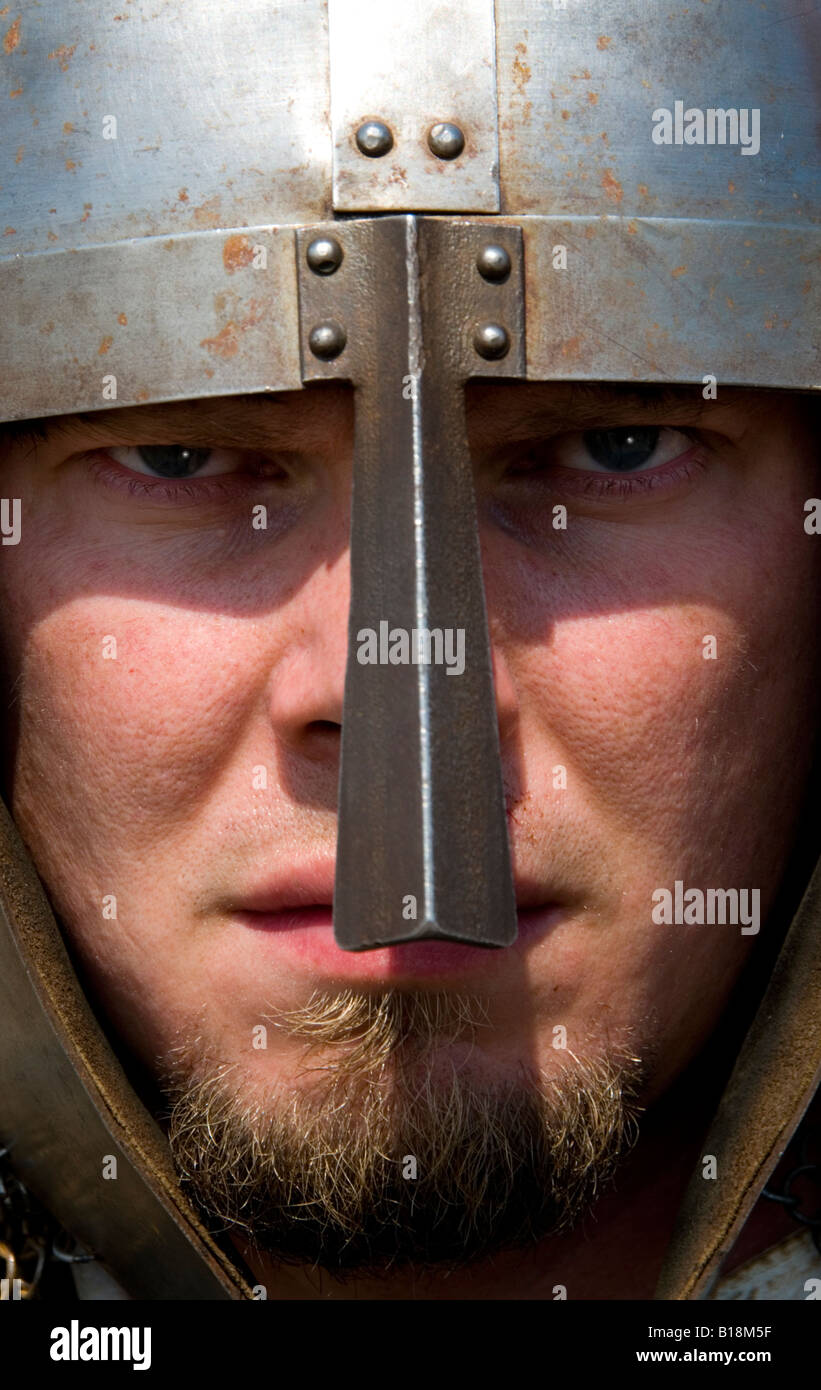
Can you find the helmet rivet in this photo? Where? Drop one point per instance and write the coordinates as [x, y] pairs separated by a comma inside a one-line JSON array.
[[493, 263], [324, 255], [446, 140], [327, 339], [374, 139], [491, 340]]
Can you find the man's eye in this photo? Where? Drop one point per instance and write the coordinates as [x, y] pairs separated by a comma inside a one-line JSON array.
[[624, 450], [176, 460]]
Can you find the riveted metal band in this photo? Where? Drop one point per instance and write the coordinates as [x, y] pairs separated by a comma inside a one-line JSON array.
[[215, 313], [162, 318], [423, 849], [419, 82]]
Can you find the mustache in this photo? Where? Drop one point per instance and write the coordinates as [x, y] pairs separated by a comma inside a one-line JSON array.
[[375, 1027]]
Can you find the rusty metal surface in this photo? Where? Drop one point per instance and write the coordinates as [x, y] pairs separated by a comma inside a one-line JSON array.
[[221, 118], [421, 807], [578, 86], [411, 66], [223, 114], [671, 300], [194, 316], [168, 318]]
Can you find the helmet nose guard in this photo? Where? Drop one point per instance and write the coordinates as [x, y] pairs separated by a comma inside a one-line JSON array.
[[422, 849]]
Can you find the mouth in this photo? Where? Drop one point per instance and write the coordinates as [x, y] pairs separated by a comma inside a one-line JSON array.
[[295, 918]]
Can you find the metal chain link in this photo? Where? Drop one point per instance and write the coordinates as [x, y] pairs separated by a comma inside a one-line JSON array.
[[30, 1238], [12, 1285], [20, 1241], [792, 1204]]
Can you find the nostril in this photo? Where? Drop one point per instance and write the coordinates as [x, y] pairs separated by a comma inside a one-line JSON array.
[[324, 726]]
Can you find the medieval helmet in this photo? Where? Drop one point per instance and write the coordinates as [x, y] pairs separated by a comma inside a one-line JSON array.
[[205, 201]]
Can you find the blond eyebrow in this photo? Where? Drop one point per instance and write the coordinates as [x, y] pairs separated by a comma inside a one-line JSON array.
[[266, 421], [250, 422], [581, 402], [514, 414]]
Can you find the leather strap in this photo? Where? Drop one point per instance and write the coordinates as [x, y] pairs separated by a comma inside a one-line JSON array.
[[66, 1104], [775, 1077]]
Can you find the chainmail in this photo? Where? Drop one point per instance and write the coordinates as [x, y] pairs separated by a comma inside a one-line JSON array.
[[35, 1251]]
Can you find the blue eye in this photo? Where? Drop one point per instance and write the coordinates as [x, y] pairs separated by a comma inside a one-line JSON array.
[[173, 460], [622, 449]]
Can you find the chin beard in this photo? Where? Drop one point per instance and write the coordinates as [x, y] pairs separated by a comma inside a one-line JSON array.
[[398, 1153]]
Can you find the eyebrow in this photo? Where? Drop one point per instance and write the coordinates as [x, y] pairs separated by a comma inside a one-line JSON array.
[[578, 401], [265, 421], [568, 406], [256, 422]]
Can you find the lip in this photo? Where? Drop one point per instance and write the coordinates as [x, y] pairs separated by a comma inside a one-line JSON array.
[[295, 914], [309, 885], [312, 885]]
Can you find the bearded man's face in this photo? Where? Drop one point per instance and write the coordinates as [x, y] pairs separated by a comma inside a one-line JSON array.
[[177, 677]]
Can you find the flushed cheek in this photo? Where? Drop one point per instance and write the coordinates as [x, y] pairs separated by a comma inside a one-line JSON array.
[[660, 719], [147, 703], [116, 761], [641, 702]]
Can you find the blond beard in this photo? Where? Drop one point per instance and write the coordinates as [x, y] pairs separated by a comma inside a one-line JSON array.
[[393, 1156]]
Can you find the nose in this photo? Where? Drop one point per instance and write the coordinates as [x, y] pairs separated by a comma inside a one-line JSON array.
[[307, 695], [308, 684], [507, 698]]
